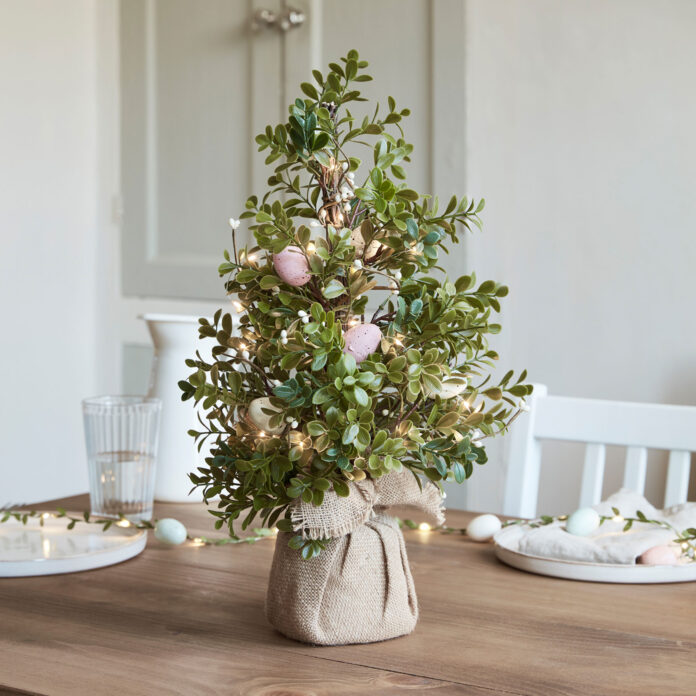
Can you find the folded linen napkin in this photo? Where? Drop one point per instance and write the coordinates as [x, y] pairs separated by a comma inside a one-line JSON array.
[[609, 543]]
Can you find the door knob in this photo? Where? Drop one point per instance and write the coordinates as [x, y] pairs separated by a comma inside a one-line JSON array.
[[267, 19]]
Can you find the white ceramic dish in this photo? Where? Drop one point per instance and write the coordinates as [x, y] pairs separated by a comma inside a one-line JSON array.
[[52, 549], [506, 544]]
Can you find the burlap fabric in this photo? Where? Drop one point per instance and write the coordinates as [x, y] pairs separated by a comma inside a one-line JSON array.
[[359, 589]]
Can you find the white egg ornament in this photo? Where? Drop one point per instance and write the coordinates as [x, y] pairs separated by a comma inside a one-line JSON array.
[[292, 266], [362, 340], [483, 527], [256, 417], [450, 388], [583, 522], [170, 531]]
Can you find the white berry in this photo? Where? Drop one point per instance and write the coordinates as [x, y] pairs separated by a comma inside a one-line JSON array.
[[385, 412], [289, 419], [294, 424], [284, 341], [302, 313], [284, 333], [305, 320]]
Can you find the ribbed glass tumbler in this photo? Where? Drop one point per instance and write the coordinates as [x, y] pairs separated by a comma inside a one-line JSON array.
[[121, 434]]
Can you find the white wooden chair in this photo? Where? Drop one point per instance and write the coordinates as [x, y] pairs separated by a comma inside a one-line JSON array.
[[636, 426]]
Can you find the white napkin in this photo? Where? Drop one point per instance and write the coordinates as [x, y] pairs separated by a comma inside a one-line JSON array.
[[609, 544]]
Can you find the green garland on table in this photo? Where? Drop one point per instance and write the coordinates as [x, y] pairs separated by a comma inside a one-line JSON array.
[[24, 516], [685, 538]]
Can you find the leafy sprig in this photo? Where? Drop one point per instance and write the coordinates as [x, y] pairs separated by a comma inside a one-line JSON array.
[[361, 229]]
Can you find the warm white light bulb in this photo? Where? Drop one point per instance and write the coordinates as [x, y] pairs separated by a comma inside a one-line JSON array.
[[311, 248], [424, 527], [123, 523]]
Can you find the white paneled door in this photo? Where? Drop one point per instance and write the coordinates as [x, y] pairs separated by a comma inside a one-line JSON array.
[[201, 79]]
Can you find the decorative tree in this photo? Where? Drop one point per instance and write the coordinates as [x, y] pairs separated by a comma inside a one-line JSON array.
[[315, 390]]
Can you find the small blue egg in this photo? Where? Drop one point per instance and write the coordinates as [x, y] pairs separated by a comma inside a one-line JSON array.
[[170, 531], [582, 522]]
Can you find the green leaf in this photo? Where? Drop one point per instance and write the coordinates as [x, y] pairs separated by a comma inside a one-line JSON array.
[[310, 90], [341, 489], [332, 289], [350, 433], [361, 396]]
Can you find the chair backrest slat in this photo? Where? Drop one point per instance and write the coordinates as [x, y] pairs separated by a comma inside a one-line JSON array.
[[592, 475], [677, 486], [636, 426], [616, 423], [635, 469]]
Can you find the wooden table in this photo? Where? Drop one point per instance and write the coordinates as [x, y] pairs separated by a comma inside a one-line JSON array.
[[189, 620]]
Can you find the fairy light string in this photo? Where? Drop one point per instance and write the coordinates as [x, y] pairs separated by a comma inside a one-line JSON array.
[[685, 539]]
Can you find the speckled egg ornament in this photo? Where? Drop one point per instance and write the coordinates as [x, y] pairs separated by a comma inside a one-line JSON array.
[[358, 241], [292, 266], [256, 416], [362, 340]]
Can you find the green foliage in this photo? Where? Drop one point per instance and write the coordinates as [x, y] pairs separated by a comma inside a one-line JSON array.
[[361, 229]]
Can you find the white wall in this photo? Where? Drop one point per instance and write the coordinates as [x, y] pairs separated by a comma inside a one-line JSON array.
[[580, 134], [47, 244]]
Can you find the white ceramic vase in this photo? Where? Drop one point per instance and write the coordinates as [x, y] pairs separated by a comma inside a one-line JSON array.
[[175, 338]]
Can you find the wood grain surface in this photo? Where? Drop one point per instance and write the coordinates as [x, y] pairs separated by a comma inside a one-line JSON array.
[[189, 620]]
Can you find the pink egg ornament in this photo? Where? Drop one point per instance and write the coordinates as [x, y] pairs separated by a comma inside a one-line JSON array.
[[659, 555], [362, 340], [292, 266]]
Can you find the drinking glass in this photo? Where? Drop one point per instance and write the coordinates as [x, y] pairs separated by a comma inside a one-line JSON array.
[[121, 434]]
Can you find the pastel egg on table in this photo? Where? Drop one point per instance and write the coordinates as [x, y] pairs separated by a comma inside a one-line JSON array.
[[483, 527], [170, 531], [659, 555], [362, 340], [292, 267], [583, 522]]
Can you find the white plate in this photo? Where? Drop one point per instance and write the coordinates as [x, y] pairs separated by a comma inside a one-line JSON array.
[[506, 544], [35, 550]]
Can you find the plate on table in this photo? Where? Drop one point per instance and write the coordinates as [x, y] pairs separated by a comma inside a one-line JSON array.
[[51, 549], [506, 549]]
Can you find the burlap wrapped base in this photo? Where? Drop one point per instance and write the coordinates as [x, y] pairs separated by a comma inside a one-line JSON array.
[[358, 590]]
